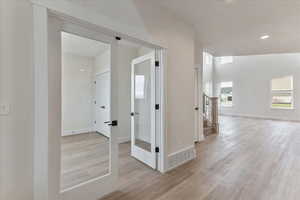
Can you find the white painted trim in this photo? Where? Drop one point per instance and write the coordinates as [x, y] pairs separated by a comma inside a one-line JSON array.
[[103, 72], [181, 157], [108, 26], [79, 131], [259, 117], [40, 59], [162, 155], [199, 133]]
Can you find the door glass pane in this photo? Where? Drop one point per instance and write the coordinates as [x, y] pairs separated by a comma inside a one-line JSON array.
[[85, 137], [142, 105]]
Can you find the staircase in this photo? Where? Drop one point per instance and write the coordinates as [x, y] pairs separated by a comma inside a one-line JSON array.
[[210, 115]]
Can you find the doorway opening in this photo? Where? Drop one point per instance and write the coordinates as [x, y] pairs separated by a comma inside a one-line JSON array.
[[86, 142], [61, 170]]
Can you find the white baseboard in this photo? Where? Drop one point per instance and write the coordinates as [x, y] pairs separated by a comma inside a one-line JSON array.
[[259, 117], [180, 157], [76, 132], [124, 139]]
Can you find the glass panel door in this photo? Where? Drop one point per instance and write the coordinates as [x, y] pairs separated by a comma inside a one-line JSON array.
[[143, 109]]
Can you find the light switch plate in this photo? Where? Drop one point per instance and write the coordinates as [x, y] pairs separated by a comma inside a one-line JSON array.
[[4, 109]]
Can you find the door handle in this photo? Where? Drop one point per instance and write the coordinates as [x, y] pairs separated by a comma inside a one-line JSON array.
[[112, 123], [103, 107]]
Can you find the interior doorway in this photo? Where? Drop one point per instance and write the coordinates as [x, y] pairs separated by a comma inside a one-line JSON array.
[[86, 109], [62, 98]]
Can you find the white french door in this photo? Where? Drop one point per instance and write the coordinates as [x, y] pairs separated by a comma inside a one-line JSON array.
[[143, 109], [97, 179], [102, 103]]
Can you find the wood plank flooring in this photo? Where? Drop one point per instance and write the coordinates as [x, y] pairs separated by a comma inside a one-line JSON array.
[[84, 156], [250, 159]]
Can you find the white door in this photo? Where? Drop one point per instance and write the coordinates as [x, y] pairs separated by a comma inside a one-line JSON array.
[[143, 109], [102, 103], [98, 174]]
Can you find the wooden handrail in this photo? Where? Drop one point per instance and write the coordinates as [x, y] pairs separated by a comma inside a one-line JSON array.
[[210, 111]]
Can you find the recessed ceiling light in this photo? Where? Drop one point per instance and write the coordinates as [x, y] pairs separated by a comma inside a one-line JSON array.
[[264, 37], [82, 70]]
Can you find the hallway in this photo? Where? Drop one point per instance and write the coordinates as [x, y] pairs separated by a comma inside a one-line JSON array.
[[250, 159]]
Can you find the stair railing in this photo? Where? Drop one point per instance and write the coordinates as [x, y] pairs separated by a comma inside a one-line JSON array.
[[210, 112]]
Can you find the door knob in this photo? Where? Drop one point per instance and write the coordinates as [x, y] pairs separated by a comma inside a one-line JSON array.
[[112, 123]]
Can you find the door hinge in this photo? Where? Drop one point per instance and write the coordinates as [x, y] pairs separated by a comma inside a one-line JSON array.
[[95, 122], [156, 106], [95, 102], [156, 63], [95, 82], [156, 149]]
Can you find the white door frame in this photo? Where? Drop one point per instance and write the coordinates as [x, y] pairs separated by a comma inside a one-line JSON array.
[[198, 136], [45, 186]]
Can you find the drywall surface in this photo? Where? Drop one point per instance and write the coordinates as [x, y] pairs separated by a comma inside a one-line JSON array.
[[77, 93], [16, 89], [251, 76], [102, 62]]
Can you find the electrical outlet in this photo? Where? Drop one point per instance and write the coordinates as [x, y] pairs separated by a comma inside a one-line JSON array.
[[4, 109]]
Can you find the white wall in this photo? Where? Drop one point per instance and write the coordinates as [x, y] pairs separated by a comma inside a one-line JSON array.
[[126, 54], [77, 94], [16, 89], [102, 62], [251, 76]]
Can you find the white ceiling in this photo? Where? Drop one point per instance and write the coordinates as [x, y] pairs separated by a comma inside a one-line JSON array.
[[82, 46], [224, 27], [233, 27]]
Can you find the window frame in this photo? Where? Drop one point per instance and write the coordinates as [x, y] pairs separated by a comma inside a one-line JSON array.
[[222, 105], [223, 60], [274, 92]]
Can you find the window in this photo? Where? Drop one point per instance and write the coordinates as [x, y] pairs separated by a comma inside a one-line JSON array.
[[139, 87], [226, 94], [282, 92], [225, 60], [208, 58]]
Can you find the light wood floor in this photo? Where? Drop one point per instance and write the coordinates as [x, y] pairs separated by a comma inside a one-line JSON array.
[[84, 156], [250, 160]]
